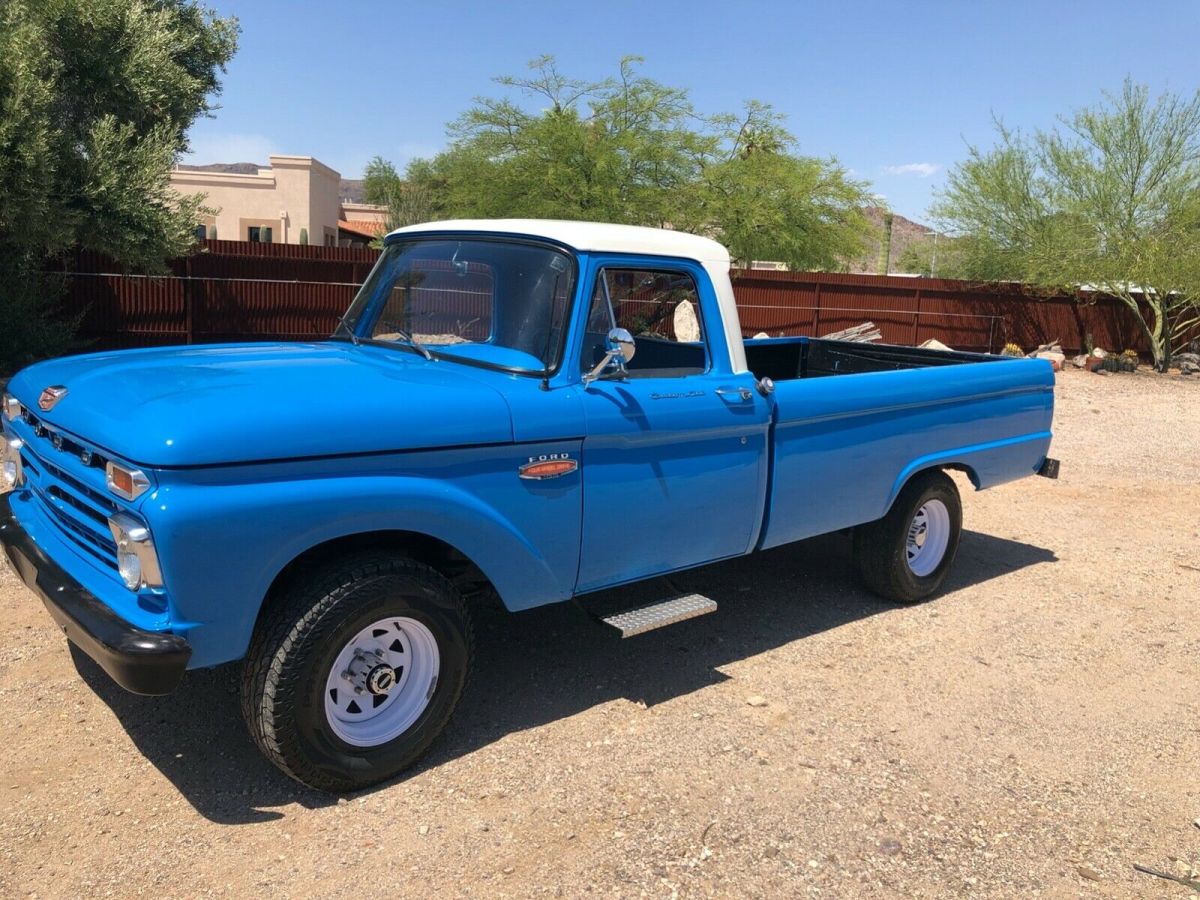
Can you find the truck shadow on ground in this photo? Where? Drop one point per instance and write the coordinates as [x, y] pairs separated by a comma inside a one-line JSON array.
[[540, 666]]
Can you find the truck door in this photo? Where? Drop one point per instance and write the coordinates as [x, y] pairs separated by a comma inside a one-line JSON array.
[[675, 453]]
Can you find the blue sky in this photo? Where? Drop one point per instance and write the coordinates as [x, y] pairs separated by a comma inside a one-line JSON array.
[[893, 90]]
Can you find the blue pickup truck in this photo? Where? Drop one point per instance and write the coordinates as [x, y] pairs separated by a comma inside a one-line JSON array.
[[528, 410]]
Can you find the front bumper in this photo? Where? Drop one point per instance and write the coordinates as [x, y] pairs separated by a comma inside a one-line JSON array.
[[144, 662]]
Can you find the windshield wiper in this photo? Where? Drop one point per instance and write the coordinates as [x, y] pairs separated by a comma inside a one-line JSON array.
[[349, 331], [405, 336]]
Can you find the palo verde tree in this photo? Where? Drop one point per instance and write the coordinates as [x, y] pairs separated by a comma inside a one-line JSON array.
[[1108, 199], [96, 97], [628, 149]]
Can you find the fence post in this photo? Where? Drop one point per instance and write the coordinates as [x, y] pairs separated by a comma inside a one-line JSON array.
[[189, 285], [817, 309], [916, 318]]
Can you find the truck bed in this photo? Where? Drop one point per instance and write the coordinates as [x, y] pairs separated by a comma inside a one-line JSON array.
[[786, 359], [842, 448]]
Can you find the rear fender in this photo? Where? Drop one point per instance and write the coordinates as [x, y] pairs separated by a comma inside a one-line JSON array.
[[986, 465]]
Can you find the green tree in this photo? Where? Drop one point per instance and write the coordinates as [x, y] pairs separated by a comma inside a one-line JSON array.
[[381, 182], [630, 150], [764, 201], [409, 202], [934, 255], [916, 259], [96, 97], [1109, 198]]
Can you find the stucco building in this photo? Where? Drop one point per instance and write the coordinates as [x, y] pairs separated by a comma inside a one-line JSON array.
[[296, 198]]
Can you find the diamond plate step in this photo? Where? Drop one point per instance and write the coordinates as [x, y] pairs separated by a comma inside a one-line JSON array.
[[658, 615]]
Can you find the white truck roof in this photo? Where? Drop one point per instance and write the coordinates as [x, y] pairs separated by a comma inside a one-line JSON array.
[[634, 239], [598, 236]]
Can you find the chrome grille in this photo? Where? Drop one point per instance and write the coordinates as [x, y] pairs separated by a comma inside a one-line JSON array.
[[71, 491]]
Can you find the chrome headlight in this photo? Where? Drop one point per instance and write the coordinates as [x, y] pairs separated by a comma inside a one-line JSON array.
[[127, 483], [10, 407], [12, 472], [137, 560]]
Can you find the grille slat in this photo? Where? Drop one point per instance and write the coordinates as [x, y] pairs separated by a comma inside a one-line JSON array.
[[69, 493], [79, 516], [89, 540], [102, 503]]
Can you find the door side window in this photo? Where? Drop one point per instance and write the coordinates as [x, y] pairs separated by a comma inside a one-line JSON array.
[[661, 309]]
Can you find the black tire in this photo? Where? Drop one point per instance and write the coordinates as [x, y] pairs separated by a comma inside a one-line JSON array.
[[881, 547], [297, 642]]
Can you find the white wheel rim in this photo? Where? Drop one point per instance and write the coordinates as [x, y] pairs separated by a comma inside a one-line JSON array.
[[382, 681], [928, 537]]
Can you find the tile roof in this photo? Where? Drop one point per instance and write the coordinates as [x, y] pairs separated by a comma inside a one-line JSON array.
[[362, 227]]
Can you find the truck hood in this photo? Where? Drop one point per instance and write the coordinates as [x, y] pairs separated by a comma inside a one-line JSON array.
[[250, 402]]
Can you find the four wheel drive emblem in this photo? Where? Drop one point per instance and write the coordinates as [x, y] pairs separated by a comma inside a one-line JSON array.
[[51, 395], [550, 465]]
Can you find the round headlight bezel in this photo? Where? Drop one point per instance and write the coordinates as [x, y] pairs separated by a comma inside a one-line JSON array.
[[137, 558], [12, 470], [129, 566]]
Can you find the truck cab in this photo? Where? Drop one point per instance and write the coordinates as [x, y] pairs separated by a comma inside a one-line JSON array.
[[520, 409]]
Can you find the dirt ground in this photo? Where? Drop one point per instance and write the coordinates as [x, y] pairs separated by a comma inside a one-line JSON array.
[[1035, 731]]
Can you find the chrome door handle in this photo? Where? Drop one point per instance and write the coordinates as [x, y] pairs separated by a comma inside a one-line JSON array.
[[740, 393]]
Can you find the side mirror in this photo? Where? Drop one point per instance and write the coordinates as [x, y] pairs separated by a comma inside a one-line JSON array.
[[622, 341], [621, 348]]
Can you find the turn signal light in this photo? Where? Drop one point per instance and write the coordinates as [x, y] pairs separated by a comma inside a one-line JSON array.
[[127, 483]]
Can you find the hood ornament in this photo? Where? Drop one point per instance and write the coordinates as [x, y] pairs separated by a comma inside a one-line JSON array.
[[51, 396]]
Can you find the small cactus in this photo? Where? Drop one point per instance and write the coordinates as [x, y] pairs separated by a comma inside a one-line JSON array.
[[1011, 349], [304, 236]]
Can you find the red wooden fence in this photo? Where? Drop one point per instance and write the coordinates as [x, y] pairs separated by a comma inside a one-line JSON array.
[[233, 290], [961, 314]]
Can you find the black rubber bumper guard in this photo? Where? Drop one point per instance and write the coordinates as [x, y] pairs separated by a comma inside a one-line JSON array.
[[144, 662]]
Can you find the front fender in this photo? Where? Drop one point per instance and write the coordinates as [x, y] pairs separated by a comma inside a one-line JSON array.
[[222, 546]]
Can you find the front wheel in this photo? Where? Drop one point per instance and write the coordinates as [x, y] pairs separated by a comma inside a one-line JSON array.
[[906, 555], [349, 681]]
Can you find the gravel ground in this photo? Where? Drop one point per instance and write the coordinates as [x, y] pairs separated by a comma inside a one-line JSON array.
[[1032, 732]]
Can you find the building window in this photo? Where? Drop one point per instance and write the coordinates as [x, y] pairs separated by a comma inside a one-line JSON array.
[[201, 232], [259, 234]]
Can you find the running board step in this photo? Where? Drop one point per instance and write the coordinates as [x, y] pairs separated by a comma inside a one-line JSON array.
[[632, 622]]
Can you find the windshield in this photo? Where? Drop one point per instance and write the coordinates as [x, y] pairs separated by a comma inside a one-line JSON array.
[[497, 303]]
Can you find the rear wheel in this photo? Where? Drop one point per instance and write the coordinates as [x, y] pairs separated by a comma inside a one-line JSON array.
[[906, 555], [348, 681]]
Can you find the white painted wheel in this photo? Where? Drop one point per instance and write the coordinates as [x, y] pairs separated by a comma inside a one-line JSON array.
[[382, 681], [928, 537]]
